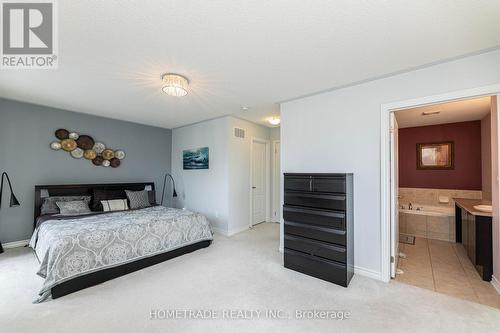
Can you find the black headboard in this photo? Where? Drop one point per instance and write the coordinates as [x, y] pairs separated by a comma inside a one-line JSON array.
[[84, 189]]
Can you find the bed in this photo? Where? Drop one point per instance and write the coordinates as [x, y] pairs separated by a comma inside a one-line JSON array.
[[79, 251]]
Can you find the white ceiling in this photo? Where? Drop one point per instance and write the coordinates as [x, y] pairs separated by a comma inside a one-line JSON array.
[[240, 53], [451, 112]]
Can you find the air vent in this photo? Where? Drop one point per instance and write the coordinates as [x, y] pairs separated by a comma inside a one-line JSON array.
[[239, 133]]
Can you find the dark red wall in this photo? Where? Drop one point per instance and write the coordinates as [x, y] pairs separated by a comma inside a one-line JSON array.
[[467, 172]]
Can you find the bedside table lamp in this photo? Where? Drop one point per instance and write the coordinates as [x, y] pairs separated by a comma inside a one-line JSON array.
[[13, 199]]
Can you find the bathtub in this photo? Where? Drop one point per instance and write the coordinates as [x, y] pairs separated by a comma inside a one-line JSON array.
[[432, 222]]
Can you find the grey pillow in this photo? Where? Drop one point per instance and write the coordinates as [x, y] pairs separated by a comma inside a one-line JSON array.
[[73, 207], [49, 204], [138, 199]]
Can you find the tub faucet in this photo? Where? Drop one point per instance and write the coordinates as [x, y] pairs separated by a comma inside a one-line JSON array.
[[410, 207]]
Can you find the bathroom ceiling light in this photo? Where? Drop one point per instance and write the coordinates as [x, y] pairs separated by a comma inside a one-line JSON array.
[[175, 84], [430, 113], [245, 108], [274, 121]]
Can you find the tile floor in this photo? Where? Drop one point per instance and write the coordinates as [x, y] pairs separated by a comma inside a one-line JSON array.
[[445, 268]]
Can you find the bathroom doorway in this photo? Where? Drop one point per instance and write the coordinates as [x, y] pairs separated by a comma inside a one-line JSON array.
[[443, 159]]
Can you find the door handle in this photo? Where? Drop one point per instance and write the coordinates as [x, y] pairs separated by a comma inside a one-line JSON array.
[[254, 187]]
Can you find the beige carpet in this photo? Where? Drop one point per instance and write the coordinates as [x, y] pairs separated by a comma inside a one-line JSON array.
[[243, 272]]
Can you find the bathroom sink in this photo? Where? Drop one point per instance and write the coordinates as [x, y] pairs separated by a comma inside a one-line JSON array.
[[484, 208]]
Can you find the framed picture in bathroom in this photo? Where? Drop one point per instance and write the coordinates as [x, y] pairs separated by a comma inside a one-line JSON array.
[[435, 156]]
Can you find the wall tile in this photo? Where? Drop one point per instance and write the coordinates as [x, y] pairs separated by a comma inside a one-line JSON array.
[[424, 196]]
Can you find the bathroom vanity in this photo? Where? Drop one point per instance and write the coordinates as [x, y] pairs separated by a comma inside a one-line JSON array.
[[474, 231]]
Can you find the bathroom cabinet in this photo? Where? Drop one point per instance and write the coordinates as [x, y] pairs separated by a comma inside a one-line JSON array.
[[476, 237]]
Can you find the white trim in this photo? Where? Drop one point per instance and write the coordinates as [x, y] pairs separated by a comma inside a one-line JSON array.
[[15, 244], [219, 231], [276, 192], [385, 153], [233, 232], [368, 273], [268, 178], [495, 283]]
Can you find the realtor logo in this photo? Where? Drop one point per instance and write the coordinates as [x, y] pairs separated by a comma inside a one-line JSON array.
[[29, 38]]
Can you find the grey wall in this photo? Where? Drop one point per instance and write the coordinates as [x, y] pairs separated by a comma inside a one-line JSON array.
[[26, 131]]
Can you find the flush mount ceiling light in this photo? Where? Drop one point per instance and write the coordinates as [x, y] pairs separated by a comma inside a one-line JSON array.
[[245, 108], [430, 113], [174, 84], [274, 121]]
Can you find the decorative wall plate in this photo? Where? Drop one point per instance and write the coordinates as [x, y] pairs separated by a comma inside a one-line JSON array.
[[99, 147], [77, 153], [119, 154], [98, 160], [108, 154], [56, 145], [68, 144], [73, 136], [89, 154], [62, 134], [81, 145], [114, 162], [85, 142]]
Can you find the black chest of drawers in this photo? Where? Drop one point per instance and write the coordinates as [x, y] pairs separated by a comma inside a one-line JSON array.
[[318, 215]]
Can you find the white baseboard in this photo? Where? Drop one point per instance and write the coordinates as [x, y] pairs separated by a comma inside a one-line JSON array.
[[495, 283], [12, 245], [237, 230], [219, 231], [231, 232], [368, 273]]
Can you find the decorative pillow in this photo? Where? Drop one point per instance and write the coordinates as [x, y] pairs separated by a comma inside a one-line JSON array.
[[138, 199], [114, 205], [49, 204], [100, 195], [73, 207]]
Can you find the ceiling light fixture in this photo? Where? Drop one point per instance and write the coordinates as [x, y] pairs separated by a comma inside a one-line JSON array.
[[245, 108], [174, 84], [430, 113], [274, 121]]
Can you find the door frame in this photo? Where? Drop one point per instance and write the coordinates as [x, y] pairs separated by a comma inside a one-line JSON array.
[[393, 142], [276, 192], [385, 159], [267, 174]]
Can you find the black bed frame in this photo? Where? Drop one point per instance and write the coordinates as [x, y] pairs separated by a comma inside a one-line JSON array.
[[98, 277]]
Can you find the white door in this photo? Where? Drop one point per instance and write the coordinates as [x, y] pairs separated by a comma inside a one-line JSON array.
[[394, 196], [277, 183], [258, 182]]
